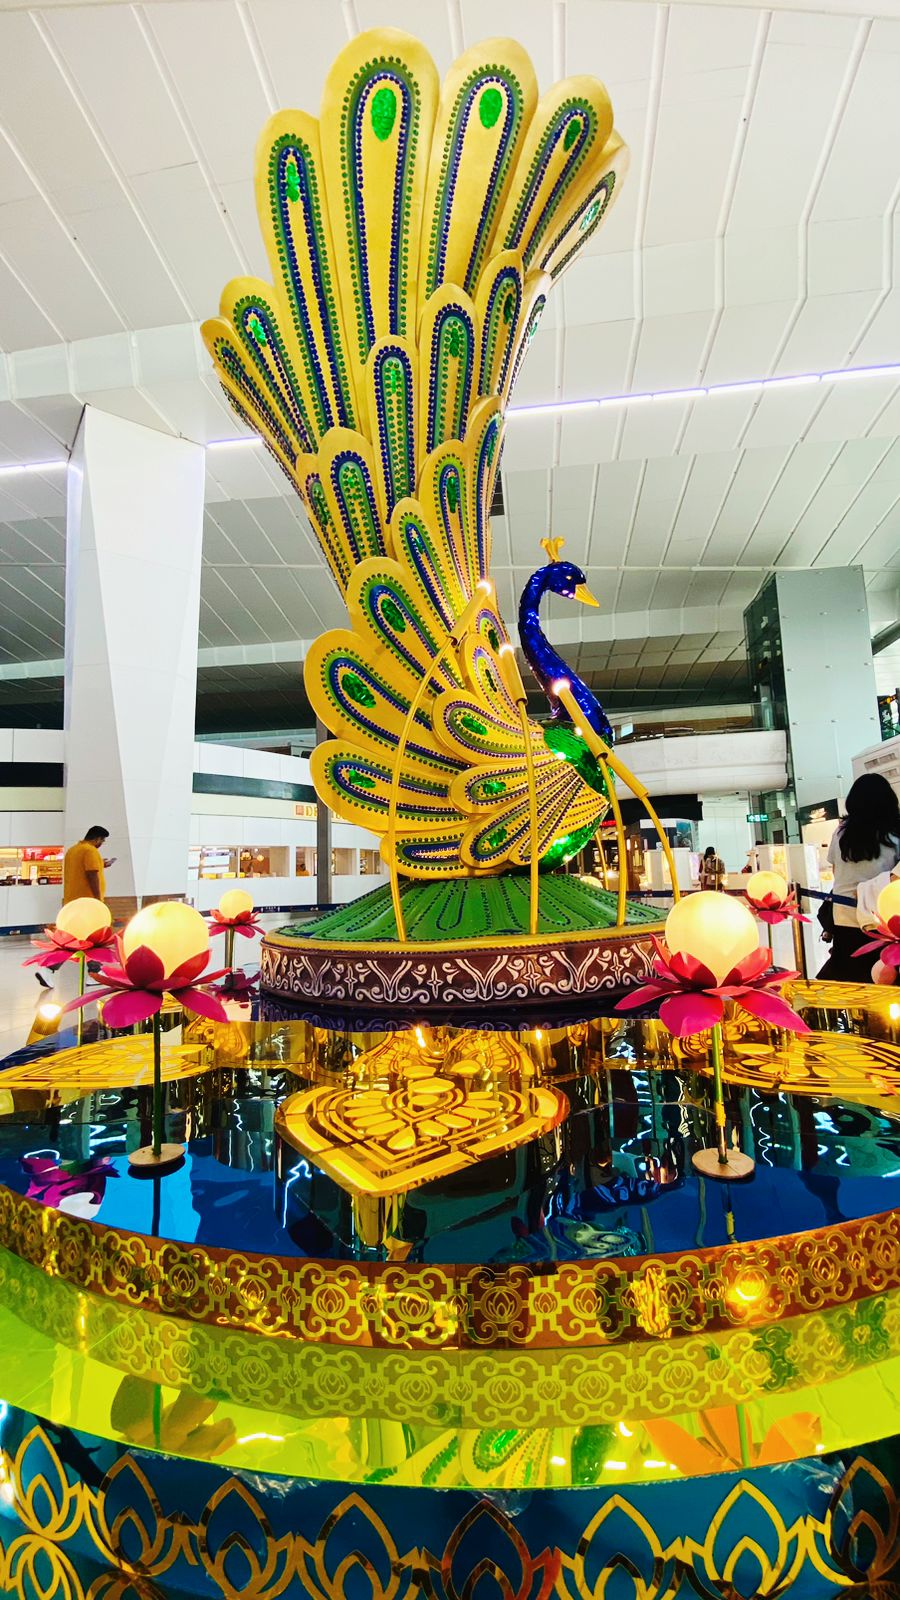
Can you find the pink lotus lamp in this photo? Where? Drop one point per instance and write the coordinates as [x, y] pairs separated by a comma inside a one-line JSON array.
[[234, 914], [771, 900], [163, 950], [83, 928], [711, 954], [886, 936]]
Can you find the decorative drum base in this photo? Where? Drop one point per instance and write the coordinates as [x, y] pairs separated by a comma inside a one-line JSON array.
[[468, 946]]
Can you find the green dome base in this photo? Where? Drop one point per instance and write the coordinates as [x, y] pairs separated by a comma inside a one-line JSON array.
[[468, 943]]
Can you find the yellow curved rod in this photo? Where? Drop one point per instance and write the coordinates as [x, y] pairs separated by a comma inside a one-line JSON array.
[[620, 835], [515, 688], [604, 874], [610, 764], [452, 641]]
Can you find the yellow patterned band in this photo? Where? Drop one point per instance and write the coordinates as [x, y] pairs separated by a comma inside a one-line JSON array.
[[688, 1406], [589, 1303]]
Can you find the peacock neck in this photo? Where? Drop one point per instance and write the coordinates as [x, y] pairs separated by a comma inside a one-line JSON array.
[[547, 664]]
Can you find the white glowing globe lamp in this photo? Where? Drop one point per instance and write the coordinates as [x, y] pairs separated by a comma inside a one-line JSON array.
[[235, 903], [83, 918], [174, 932], [714, 929], [762, 884], [889, 901]]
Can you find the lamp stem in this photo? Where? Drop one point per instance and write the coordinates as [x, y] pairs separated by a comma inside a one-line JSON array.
[[229, 947], [157, 1086], [718, 1092], [81, 982]]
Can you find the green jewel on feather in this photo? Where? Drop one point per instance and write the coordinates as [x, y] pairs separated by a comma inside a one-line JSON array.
[[454, 338], [358, 691], [589, 217], [392, 614], [496, 838], [572, 132], [361, 779], [292, 180], [384, 112], [472, 724], [256, 328], [509, 306], [453, 491], [489, 107], [492, 786], [493, 638]]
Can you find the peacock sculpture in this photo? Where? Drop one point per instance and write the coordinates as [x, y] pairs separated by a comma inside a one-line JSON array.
[[414, 233]]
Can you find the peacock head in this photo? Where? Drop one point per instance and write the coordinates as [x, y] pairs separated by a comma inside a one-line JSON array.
[[563, 577]]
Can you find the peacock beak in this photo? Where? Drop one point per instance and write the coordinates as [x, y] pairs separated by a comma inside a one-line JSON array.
[[583, 594]]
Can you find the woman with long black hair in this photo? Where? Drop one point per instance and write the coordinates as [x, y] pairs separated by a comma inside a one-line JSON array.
[[866, 842]]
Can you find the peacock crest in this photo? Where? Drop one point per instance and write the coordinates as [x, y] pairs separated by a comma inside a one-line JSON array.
[[414, 233]]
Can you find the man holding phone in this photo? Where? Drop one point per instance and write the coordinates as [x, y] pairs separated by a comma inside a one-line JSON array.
[[83, 867]]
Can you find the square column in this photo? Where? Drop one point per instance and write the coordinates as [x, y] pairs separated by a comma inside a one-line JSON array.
[[809, 648], [134, 543]]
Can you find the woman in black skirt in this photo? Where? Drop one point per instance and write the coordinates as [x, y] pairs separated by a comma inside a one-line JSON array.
[[866, 843]]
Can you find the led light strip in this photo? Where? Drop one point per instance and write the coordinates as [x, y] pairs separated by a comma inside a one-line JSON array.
[[750, 386], [553, 408]]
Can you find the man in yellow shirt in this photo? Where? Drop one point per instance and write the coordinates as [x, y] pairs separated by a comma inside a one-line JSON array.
[[83, 867]]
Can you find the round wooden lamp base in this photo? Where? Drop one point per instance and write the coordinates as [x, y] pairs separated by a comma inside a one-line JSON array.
[[737, 1167], [147, 1162]]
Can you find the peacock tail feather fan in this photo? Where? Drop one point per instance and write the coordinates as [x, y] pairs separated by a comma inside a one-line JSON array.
[[413, 234]]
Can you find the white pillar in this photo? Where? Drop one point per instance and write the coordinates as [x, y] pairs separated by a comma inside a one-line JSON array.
[[134, 541]]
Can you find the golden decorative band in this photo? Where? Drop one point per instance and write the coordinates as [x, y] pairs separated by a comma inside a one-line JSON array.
[[376, 1304], [433, 1545]]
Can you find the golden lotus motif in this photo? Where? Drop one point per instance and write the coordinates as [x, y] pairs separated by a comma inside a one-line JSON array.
[[109, 1064], [421, 1108]]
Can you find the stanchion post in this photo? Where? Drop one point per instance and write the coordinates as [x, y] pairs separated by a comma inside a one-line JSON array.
[[799, 941]]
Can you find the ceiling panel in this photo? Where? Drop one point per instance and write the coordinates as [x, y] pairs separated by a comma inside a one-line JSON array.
[[756, 234]]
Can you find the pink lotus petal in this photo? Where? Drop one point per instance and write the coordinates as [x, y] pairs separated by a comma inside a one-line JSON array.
[[130, 1006], [688, 970], [642, 996], [210, 977], [664, 971], [206, 1005], [890, 955], [773, 978], [893, 927], [247, 930], [115, 975], [693, 1012], [87, 999], [773, 1009], [866, 949], [143, 969], [750, 966], [188, 971]]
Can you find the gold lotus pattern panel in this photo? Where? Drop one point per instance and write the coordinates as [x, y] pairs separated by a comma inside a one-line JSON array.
[[420, 1110], [129, 1530]]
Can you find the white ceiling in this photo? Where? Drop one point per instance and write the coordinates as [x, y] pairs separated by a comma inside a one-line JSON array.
[[757, 235]]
